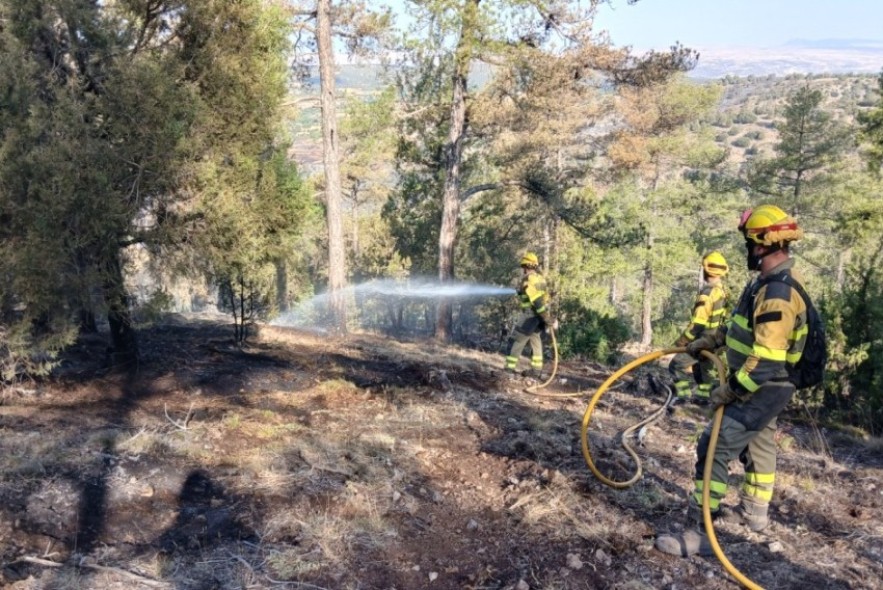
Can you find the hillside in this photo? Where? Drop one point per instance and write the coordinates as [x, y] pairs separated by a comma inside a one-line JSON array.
[[744, 121], [746, 117], [315, 463], [798, 56]]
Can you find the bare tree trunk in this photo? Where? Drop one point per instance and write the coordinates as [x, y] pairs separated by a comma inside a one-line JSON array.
[[331, 160], [647, 297], [281, 285], [647, 294], [355, 213], [451, 202], [119, 317], [453, 155]]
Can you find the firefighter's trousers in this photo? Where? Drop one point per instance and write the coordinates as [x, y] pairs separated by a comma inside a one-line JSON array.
[[687, 371], [529, 330], [748, 432]]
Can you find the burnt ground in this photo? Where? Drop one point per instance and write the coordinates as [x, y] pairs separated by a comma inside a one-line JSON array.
[[364, 463]]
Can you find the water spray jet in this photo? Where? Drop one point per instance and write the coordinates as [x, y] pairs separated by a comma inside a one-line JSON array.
[[310, 312]]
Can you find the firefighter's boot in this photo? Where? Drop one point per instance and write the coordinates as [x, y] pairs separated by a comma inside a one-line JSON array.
[[684, 392], [690, 542], [703, 392], [532, 373], [751, 513]]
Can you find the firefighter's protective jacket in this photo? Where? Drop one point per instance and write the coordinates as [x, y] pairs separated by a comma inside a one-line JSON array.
[[709, 311], [532, 294], [767, 332]]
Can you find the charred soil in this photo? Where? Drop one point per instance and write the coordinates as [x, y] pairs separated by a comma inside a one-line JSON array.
[[309, 462]]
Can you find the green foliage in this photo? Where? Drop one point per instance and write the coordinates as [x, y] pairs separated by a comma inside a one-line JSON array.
[[28, 351], [247, 293], [589, 334], [856, 396], [811, 144], [157, 303], [414, 217], [744, 117], [110, 131], [871, 122]]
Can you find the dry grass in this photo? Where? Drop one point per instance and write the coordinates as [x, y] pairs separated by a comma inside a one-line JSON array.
[[563, 513], [337, 485]]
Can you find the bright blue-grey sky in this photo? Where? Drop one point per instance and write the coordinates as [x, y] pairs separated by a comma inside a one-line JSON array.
[[656, 24]]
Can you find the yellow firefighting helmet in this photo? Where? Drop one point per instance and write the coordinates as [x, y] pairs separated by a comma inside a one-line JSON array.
[[715, 265], [530, 260], [768, 225]]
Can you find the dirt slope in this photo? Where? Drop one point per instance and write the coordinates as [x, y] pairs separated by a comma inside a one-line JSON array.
[[307, 462]]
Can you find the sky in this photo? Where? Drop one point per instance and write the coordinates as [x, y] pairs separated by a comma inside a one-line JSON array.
[[657, 24]]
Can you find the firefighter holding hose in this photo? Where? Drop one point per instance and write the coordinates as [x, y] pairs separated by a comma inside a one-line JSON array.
[[535, 317], [765, 339], [706, 316]]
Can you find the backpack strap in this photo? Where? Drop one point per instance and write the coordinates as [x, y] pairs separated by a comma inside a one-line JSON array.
[[785, 277]]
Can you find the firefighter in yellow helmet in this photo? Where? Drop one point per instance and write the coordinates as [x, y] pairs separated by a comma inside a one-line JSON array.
[[708, 314], [533, 299], [765, 336]]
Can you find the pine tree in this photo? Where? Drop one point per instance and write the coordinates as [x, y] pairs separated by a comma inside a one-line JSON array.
[[140, 102], [652, 151], [323, 19], [871, 123], [811, 144], [467, 35]]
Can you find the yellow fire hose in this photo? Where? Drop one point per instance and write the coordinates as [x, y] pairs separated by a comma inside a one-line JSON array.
[[534, 389], [709, 459]]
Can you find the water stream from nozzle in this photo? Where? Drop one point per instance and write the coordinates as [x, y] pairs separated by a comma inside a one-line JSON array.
[[308, 312]]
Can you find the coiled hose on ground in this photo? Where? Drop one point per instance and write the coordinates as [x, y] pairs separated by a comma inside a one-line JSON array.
[[709, 459]]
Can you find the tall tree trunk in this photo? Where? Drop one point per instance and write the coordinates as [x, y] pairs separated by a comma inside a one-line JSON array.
[[331, 161], [647, 296], [355, 221], [119, 317], [453, 154], [647, 291], [281, 285]]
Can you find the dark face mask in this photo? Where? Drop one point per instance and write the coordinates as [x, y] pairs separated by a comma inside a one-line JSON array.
[[753, 260]]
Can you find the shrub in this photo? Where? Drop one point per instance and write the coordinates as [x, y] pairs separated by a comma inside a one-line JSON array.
[[586, 332]]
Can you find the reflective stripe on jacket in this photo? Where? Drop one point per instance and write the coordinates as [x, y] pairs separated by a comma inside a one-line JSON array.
[[532, 293], [709, 311], [768, 330]]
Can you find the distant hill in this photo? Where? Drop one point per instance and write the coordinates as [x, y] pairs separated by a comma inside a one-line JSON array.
[[756, 86], [799, 56]]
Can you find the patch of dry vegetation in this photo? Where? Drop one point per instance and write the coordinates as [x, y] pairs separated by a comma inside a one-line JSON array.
[[352, 464]]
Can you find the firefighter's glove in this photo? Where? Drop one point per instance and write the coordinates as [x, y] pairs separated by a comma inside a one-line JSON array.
[[721, 396], [554, 325], [696, 347], [681, 342]]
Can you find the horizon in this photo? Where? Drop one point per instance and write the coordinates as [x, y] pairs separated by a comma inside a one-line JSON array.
[[728, 24], [745, 37]]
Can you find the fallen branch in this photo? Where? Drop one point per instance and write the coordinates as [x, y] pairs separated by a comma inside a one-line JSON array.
[[125, 573], [101, 568], [179, 424], [38, 561]]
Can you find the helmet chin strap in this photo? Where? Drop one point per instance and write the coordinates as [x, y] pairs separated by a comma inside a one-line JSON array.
[[755, 260]]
